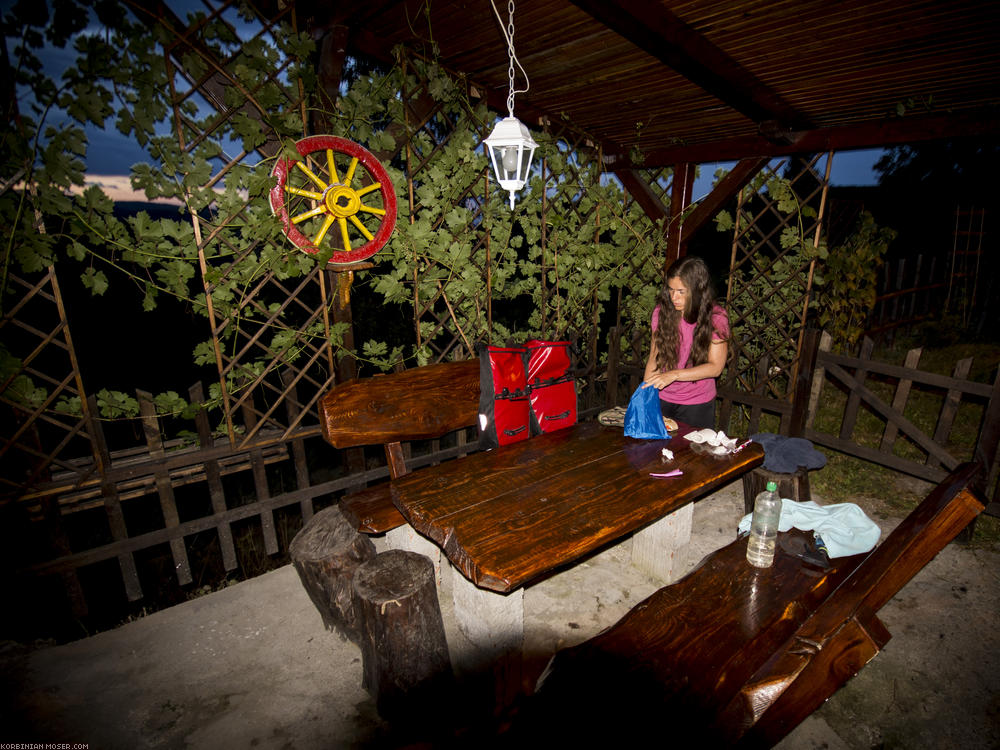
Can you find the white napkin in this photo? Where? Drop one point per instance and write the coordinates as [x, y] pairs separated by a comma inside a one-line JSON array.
[[718, 441]]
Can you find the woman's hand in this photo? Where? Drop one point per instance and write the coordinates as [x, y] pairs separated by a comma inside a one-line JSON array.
[[661, 380]]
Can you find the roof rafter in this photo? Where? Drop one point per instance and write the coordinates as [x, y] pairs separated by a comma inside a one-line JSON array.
[[654, 29]]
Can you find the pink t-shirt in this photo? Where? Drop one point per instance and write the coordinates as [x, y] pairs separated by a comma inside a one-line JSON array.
[[696, 391]]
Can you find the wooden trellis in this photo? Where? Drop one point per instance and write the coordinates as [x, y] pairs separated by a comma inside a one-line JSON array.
[[771, 281]]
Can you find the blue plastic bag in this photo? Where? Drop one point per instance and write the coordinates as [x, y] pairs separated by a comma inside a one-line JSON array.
[[643, 418]]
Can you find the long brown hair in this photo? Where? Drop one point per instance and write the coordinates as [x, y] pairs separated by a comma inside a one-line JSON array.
[[698, 308]]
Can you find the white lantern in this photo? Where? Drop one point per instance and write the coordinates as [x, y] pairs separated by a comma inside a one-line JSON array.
[[510, 144], [511, 149]]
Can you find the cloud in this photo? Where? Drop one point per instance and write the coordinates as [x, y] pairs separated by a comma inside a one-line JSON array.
[[118, 188]]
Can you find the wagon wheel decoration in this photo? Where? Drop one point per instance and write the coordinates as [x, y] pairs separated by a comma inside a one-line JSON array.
[[337, 196]]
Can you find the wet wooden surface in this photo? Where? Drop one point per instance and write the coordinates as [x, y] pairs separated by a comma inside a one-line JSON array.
[[732, 653], [419, 403], [510, 516]]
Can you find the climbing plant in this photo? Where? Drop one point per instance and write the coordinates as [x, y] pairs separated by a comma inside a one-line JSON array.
[[851, 282], [213, 100]]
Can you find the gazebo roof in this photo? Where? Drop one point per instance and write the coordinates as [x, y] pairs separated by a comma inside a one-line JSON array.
[[701, 80]]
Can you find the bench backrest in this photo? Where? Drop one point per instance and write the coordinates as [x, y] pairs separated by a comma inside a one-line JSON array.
[[417, 404]]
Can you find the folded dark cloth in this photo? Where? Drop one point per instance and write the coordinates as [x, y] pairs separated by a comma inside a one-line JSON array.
[[784, 455]]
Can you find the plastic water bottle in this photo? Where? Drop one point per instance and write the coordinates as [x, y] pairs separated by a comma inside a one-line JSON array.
[[764, 527]]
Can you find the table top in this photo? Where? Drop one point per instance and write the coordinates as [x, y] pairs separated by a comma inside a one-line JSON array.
[[509, 516]]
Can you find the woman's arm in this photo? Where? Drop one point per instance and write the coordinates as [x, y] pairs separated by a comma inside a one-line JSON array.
[[711, 369]]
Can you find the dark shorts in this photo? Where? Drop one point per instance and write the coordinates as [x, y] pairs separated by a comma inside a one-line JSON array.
[[696, 415]]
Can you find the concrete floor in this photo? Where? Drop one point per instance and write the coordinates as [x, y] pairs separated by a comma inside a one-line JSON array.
[[251, 666]]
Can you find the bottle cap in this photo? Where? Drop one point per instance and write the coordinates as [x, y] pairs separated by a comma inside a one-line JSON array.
[[772, 487]]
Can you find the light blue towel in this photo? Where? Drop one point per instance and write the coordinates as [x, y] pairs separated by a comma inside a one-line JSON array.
[[845, 528]]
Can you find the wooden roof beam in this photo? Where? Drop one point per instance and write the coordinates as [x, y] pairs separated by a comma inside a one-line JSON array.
[[888, 132], [711, 204], [654, 29]]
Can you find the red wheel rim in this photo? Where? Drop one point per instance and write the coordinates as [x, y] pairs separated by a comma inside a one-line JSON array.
[[322, 193]]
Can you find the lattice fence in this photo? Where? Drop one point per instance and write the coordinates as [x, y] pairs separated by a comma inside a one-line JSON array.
[[777, 228]]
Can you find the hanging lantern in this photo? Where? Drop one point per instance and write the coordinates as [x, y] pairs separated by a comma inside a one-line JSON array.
[[510, 145], [511, 149]]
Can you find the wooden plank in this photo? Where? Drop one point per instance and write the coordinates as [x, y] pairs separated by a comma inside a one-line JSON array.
[[260, 484], [854, 399], [803, 382], [164, 489], [696, 642], [371, 511], [508, 516], [899, 399], [803, 677], [763, 403], [952, 400], [875, 456], [740, 654], [416, 404], [819, 376], [60, 545], [214, 479], [910, 429], [917, 376], [989, 438], [112, 506], [187, 528], [298, 445]]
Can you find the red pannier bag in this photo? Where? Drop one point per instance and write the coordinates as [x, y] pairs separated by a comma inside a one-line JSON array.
[[503, 396], [551, 388]]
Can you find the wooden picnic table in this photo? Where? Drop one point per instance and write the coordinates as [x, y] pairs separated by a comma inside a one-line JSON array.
[[510, 516]]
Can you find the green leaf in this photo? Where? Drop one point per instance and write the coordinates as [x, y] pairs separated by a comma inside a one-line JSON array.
[[115, 404], [95, 281]]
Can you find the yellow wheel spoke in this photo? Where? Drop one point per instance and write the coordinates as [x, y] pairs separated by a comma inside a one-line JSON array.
[[344, 235], [361, 227], [308, 214], [309, 173], [350, 171], [372, 210], [331, 167], [305, 193], [369, 188], [327, 223]]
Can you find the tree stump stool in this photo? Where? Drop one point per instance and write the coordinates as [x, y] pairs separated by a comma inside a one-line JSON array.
[[404, 652], [326, 553], [793, 486]]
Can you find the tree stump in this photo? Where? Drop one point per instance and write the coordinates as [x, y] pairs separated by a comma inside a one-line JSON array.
[[793, 486], [405, 655], [326, 553]]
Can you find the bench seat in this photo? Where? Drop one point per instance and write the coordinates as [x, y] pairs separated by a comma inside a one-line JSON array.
[[735, 655], [371, 511]]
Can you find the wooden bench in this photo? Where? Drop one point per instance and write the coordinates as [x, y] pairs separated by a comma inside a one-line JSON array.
[[733, 655], [421, 403]]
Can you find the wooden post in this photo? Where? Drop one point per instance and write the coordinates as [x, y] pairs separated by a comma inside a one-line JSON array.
[[213, 477], [406, 665], [164, 488], [611, 378], [326, 553], [803, 382], [792, 486]]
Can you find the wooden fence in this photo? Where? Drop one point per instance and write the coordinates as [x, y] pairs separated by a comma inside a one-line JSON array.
[[911, 290], [300, 473], [894, 400]]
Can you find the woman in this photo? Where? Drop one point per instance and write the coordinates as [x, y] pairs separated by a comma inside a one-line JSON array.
[[689, 347]]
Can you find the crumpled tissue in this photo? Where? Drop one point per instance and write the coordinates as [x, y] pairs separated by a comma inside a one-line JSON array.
[[717, 441]]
